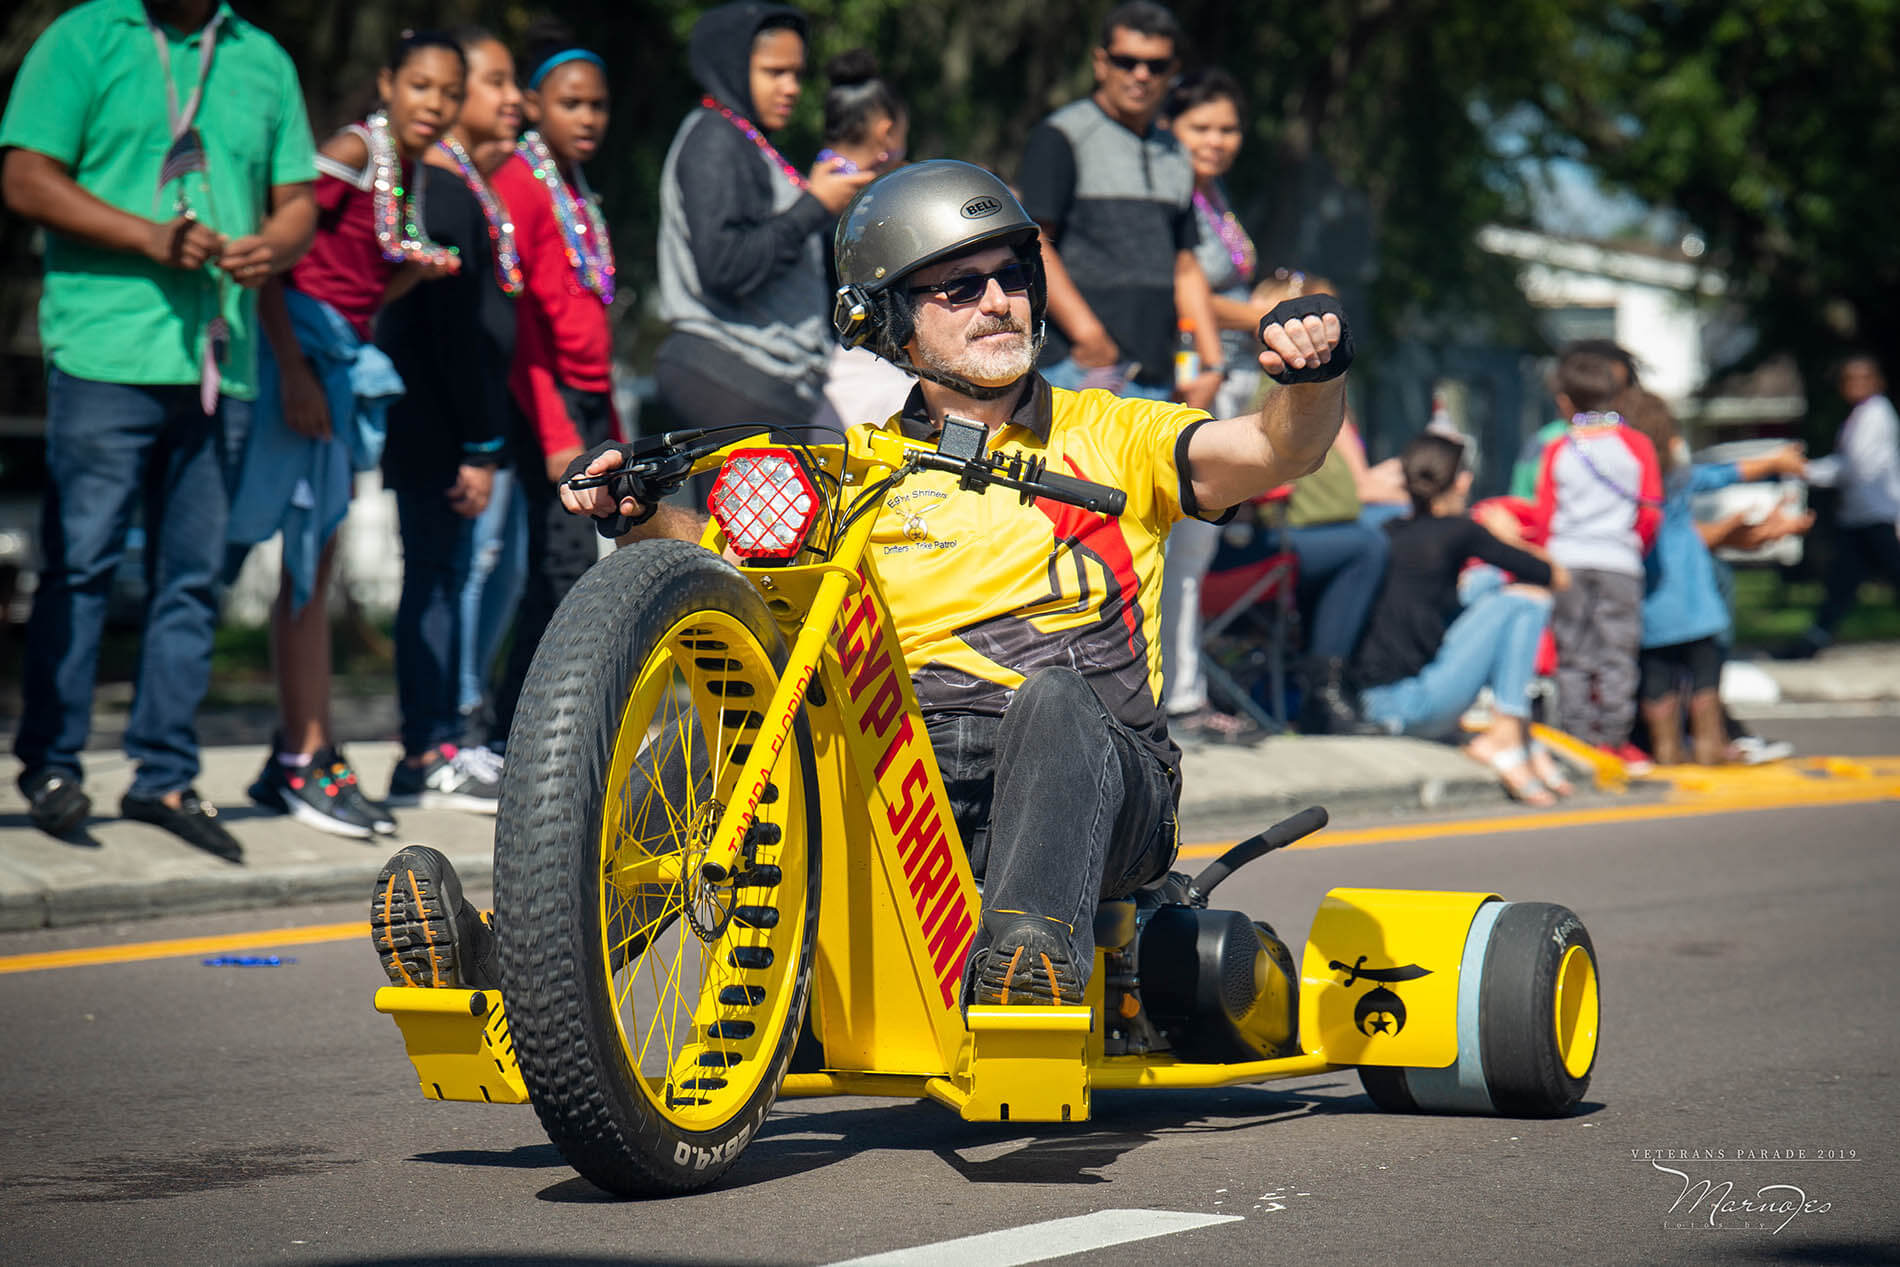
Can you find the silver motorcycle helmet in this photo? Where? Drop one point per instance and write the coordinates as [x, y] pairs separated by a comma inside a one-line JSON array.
[[911, 218]]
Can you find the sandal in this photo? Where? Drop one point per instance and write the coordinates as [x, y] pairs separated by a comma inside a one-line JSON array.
[[1210, 725], [1512, 766], [1549, 771]]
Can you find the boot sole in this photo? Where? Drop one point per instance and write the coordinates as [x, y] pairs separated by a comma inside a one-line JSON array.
[[1001, 982], [412, 926]]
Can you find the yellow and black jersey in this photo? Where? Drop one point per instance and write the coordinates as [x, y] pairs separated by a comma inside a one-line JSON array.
[[984, 590]]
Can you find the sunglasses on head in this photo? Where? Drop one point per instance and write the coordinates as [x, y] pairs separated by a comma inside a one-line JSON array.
[[1157, 66], [969, 287]]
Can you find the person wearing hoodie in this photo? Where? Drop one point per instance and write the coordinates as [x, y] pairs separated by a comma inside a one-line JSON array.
[[741, 246]]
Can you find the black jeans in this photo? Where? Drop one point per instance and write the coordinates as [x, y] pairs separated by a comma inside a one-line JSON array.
[[437, 545], [1859, 550], [1059, 804], [561, 547]]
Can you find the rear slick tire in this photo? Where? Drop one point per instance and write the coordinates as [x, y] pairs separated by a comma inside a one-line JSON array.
[[1534, 1018], [654, 1015]]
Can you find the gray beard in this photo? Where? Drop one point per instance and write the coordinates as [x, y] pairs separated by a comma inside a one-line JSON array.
[[984, 367]]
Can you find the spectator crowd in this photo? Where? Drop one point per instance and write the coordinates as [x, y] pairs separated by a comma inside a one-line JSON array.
[[238, 319]]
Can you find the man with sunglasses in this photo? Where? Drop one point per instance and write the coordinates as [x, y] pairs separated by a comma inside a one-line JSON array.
[[1030, 629], [1114, 195]]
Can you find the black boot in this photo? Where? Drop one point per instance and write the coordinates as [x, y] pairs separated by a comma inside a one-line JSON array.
[[1328, 704]]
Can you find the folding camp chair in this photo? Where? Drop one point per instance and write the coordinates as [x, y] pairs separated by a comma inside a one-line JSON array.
[[1247, 609]]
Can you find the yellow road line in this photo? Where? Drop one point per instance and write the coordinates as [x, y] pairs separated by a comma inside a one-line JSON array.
[[182, 947], [1869, 792], [1779, 794]]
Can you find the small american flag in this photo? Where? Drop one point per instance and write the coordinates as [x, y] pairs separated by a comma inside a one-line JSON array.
[[210, 377], [186, 155]]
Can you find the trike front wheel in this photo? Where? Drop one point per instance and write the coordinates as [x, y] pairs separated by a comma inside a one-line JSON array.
[[654, 1013]]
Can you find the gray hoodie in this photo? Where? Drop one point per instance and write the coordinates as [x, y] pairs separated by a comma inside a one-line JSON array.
[[741, 248]]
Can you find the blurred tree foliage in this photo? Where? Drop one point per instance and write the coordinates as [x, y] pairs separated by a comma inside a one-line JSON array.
[[1773, 127], [1381, 133]]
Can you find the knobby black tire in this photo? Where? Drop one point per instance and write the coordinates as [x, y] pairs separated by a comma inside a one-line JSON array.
[[548, 860]]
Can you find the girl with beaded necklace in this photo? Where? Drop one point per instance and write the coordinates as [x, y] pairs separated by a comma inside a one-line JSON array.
[[452, 343], [333, 387], [561, 381]]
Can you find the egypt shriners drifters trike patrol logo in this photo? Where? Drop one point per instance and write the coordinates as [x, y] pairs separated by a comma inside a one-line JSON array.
[[726, 872]]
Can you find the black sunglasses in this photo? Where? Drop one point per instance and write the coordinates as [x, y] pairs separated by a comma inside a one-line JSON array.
[[1157, 66], [969, 288]]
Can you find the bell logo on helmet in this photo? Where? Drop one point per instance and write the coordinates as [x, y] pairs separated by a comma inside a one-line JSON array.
[[977, 208]]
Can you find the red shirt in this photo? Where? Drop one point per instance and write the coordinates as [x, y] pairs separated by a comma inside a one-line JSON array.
[[562, 335], [345, 267]]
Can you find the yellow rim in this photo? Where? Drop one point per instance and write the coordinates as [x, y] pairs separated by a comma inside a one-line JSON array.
[[1576, 1008], [701, 976]]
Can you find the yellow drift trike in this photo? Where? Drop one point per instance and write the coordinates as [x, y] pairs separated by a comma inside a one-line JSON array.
[[726, 872]]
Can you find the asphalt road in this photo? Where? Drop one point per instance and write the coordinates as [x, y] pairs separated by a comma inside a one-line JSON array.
[[165, 1111]]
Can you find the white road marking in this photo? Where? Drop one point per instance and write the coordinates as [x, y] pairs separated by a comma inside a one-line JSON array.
[[1037, 1242]]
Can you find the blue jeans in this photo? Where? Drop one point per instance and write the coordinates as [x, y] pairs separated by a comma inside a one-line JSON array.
[[498, 563], [1067, 375], [1492, 643], [1342, 566], [110, 446], [436, 545]]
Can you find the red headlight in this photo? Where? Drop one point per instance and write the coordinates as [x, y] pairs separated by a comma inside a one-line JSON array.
[[764, 502]]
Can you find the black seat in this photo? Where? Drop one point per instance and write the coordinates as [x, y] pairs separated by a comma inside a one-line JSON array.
[[1115, 923]]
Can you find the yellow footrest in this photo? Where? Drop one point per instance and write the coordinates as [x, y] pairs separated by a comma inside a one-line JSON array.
[[1027, 1064], [458, 1041]]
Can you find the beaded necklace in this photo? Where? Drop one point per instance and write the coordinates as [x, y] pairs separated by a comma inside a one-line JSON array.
[[757, 137], [501, 230], [590, 252], [398, 218], [1227, 227]]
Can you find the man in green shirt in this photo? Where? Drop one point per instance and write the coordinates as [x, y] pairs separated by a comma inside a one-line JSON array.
[[164, 148]]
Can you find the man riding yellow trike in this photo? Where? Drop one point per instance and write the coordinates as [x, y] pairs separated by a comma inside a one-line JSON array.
[[862, 786]]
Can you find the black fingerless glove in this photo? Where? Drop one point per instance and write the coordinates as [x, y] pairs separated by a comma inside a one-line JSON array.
[[621, 486], [1311, 306]]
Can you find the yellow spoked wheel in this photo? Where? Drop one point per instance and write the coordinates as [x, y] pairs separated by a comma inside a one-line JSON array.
[[654, 1014], [702, 975]]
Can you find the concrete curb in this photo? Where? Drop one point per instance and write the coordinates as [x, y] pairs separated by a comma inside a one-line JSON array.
[[122, 870]]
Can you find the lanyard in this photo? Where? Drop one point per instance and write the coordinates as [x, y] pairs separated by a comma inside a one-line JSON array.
[[186, 154], [207, 46]]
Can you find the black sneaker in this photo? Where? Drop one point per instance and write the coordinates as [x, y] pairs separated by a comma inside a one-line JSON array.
[[309, 795], [1029, 961], [55, 802], [449, 778], [424, 930], [195, 822], [343, 774]]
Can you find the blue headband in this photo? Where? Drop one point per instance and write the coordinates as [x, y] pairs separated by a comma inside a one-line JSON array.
[[566, 55]]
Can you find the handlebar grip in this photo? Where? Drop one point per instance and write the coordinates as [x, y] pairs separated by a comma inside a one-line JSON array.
[[1100, 498]]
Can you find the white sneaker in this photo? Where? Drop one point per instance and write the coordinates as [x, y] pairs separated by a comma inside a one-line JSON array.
[[449, 778], [1754, 750]]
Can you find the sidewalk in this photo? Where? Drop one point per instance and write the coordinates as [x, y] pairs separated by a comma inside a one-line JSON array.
[[1858, 672], [127, 870]]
